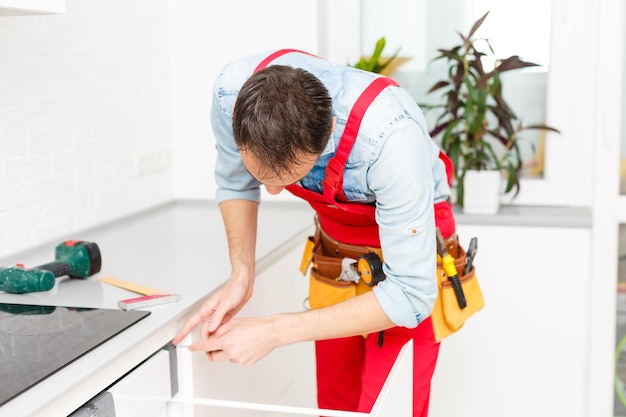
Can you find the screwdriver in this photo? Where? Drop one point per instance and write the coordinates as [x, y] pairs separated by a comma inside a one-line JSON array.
[[447, 261]]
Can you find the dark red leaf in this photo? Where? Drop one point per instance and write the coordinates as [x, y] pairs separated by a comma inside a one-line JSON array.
[[513, 62], [439, 85], [437, 129], [478, 23], [542, 127]]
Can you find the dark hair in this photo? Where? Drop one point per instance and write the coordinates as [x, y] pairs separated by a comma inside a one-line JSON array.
[[282, 113]]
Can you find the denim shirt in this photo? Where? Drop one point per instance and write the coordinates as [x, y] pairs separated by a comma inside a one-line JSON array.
[[393, 164]]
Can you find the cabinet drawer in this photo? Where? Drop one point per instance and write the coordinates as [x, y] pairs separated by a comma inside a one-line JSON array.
[[145, 390]]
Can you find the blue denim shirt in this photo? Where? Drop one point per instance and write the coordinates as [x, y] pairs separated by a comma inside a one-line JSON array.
[[394, 163]]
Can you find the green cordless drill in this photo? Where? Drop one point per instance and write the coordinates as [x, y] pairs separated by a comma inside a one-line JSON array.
[[75, 258]]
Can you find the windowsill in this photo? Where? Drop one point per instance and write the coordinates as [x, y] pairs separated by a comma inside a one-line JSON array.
[[534, 216]]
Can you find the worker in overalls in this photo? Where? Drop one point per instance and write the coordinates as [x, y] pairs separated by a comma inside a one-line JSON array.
[[356, 147]]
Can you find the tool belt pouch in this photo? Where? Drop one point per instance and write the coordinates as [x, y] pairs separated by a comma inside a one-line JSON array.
[[447, 317], [324, 288]]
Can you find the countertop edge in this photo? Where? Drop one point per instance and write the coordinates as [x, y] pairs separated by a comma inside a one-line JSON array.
[[531, 216]]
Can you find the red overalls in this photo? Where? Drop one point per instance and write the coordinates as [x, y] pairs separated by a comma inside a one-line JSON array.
[[352, 370]]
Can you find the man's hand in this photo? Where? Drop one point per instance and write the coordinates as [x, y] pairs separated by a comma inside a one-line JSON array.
[[219, 308], [247, 340], [241, 340]]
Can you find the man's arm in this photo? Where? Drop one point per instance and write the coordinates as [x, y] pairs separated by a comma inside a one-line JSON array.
[[240, 221], [358, 315], [247, 340]]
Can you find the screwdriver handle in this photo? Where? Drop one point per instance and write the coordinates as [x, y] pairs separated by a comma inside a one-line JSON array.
[[447, 263]]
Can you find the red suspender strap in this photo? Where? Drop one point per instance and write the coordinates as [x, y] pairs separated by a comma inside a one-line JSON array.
[[449, 166], [275, 55], [333, 179]]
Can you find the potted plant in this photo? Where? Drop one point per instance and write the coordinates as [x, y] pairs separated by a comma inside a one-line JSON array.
[[476, 127], [379, 64]]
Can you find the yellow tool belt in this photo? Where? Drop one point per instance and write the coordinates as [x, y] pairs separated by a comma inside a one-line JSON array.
[[447, 316], [325, 255]]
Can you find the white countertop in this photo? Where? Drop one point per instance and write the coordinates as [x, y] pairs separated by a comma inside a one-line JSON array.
[[179, 248]]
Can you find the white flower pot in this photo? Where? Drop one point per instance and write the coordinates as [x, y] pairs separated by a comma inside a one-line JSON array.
[[481, 192]]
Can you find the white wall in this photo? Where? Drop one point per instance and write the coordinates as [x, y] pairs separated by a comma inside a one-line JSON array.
[[205, 36], [80, 94]]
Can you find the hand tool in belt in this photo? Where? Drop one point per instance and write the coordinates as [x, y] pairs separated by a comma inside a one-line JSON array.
[[367, 267], [447, 262], [471, 253]]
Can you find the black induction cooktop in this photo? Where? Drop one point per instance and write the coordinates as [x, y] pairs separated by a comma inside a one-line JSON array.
[[37, 341]]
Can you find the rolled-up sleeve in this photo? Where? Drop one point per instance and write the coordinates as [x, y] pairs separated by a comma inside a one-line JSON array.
[[402, 179]]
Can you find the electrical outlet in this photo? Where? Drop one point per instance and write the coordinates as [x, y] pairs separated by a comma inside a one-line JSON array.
[[153, 161]]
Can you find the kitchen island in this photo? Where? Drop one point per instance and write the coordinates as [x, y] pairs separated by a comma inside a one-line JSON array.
[[179, 248]]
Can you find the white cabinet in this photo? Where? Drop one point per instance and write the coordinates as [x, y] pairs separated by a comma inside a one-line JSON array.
[[22, 7], [525, 353], [146, 390], [287, 375]]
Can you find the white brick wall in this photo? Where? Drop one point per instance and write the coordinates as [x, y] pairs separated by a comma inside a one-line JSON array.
[[80, 94]]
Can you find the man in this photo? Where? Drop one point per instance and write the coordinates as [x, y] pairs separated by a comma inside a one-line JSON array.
[[356, 147]]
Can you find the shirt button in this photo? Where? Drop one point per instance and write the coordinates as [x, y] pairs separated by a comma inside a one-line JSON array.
[[413, 231]]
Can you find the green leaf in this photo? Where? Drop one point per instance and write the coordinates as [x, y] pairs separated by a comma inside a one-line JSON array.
[[454, 152], [490, 157], [449, 134], [373, 64], [460, 189], [511, 178], [378, 49]]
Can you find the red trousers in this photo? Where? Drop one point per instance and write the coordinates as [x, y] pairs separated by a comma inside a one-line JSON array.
[[351, 371]]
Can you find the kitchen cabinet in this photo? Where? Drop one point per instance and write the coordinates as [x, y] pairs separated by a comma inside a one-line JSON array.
[[25, 7], [145, 391], [287, 375], [525, 353]]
